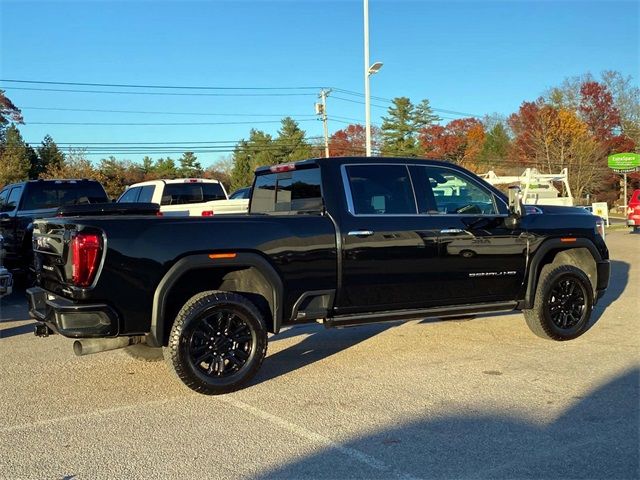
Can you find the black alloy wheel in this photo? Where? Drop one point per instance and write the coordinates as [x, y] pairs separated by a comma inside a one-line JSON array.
[[217, 342], [220, 343], [566, 304], [563, 303]]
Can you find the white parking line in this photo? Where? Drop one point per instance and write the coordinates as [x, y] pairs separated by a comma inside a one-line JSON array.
[[316, 437], [80, 416], [302, 432]]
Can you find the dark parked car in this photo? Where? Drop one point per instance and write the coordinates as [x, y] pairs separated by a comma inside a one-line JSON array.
[[241, 193], [22, 203], [344, 241], [6, 279]]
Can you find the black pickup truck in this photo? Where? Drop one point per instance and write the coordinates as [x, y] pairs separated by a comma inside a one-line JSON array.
[[21, 203], [342, 240]]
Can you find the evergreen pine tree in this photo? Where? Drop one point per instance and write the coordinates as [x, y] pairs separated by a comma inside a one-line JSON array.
[[398, 129], [15, 161], [49, 156], [291, 142], [189, 165]]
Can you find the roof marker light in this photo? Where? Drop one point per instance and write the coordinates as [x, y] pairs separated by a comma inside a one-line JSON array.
[[285, 167]]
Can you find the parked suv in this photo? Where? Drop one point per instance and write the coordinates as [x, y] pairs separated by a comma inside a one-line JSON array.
[[22, 203]]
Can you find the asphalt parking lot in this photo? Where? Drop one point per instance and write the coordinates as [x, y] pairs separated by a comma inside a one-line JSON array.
[[480, 398]]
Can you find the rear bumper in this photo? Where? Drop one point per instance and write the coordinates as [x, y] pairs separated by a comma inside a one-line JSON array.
[[604, 271], [71, 319]]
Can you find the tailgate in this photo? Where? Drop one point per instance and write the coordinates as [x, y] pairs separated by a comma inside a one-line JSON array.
[[67, 256], [51, 251]]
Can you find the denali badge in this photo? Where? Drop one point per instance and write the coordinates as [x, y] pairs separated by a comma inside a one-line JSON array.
[[492, 274]]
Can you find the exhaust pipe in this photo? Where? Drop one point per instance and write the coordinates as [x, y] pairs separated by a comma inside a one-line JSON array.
[[95, 345]]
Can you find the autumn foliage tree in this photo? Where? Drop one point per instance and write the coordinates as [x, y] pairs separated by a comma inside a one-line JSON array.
[[551, 138], [460, 141], [9, 113], [350, 141]]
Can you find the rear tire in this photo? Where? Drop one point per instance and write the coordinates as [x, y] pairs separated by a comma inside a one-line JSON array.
[[217, 343], [563, 303]]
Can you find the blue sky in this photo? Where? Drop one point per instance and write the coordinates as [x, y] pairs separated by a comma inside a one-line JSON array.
[[474, 57]]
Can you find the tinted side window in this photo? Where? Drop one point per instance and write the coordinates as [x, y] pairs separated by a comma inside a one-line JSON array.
[[450, 192], [240, 194], [13, 199], [4, 194], [380, 190], [288, 192], [130, 196], [183, 193], [146, 193]]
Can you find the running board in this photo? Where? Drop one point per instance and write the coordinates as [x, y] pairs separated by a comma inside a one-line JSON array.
[[435, 312]]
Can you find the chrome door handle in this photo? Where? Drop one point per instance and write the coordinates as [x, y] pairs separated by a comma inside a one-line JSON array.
[[451, 230], [360, 233]]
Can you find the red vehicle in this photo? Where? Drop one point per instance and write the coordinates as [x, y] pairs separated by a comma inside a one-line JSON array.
[[633, 211]]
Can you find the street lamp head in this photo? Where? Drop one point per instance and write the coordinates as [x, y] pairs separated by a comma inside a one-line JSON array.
[[375, 67]]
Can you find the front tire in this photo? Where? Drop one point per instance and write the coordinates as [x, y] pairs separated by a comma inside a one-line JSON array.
[[217, 343], [563, 303]]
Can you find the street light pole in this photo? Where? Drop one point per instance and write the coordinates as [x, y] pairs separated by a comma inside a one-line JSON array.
[[367, 93], [368, 71]]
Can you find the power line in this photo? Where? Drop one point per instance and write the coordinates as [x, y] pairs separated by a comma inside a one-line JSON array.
[[359, 102], [173, 87], [162, 123], [389, 100], [271, 94], [167, 113], [155, 143], [273, 91]]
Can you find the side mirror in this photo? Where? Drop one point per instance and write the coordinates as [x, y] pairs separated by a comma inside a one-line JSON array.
[[516, 208]]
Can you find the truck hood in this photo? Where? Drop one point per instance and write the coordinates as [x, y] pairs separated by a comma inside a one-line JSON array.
[[559, 209]]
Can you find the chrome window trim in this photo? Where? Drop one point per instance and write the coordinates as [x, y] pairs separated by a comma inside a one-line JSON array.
[[351, 208]]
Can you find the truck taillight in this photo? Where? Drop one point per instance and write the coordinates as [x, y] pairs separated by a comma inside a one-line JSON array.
[[207, 213], [85, 257]]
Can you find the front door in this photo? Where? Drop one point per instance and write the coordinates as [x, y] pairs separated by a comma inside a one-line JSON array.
[[476, 249]]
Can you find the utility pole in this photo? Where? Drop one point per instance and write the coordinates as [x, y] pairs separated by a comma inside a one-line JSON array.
[[321, 109]]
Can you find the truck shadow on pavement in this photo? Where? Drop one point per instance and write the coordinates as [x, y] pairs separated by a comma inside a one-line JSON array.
[[597, 437], [617, 284], [321, 344], [14, 309]]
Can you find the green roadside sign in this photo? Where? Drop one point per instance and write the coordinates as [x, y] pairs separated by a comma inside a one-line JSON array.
[[624, 162]]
